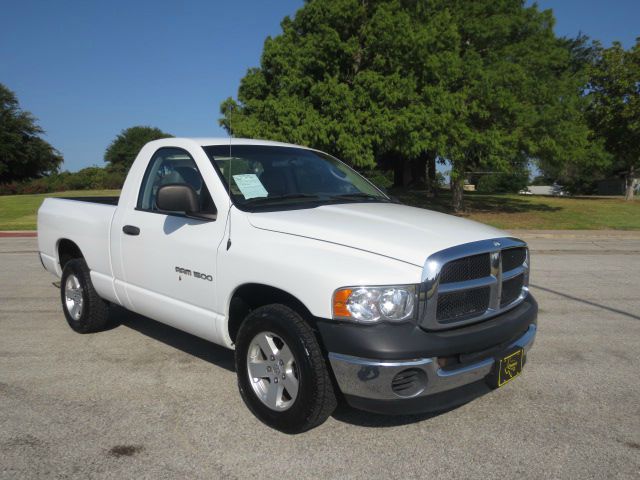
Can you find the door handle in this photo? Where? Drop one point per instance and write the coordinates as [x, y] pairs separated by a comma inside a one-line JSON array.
[[131, 230]]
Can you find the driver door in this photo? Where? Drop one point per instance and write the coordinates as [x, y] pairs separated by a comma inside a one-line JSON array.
[[169, 259]]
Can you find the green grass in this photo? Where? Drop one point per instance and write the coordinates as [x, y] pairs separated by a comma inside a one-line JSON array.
[[537, 212], [18, 212]]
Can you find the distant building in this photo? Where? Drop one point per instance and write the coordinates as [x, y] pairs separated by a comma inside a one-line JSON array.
[[615, 185], [468, 186]]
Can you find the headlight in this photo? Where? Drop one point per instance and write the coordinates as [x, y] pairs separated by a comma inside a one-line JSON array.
[[373, 304]]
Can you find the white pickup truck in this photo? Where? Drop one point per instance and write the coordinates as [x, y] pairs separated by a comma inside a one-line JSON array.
[[323, 285]]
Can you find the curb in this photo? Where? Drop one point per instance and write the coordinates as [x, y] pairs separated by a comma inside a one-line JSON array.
[[19, 234]]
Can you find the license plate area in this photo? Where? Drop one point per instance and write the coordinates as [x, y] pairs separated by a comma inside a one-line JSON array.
[[508, 367]]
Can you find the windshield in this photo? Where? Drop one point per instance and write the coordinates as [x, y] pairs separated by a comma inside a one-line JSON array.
[[261, 176]]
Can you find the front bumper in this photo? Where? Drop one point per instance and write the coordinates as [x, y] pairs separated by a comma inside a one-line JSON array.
[[368, 384]]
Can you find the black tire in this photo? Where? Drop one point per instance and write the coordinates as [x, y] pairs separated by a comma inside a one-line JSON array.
[[315, 400], [94, 314]]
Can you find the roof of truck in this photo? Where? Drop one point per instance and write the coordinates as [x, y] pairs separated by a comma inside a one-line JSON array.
[[239, 141]]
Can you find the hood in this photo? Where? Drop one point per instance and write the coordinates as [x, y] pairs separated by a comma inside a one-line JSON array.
[[405, 233]]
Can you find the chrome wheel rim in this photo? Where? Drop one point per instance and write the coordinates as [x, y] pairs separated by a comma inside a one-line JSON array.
[[73, 296], [272, 370]]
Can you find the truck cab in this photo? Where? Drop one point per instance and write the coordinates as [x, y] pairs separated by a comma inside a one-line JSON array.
[[324, 286]]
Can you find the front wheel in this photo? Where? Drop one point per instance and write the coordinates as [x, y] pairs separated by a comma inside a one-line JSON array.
[[282, 374]]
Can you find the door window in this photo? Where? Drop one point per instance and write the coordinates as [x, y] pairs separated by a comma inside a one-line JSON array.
[[172, 166]]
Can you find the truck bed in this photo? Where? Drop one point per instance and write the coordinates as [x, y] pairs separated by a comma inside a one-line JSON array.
[[86, 221]]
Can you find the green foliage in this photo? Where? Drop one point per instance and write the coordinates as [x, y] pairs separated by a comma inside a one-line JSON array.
[[125, 147], [614, 94], [520, 88], [503, 182], [23, 154], [380, 178], [542, 180], [85, 179], [358, 79], [570, 153]]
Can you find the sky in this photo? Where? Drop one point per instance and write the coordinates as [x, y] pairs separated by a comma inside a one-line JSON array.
[[88, 69]]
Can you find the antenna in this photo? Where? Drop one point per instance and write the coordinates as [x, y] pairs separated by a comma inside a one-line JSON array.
[[230, 177]]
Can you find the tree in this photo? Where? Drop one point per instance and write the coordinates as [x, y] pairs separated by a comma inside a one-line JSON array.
[[516, 91], [23, 154], [571, 154], [125, 147], [361, 79], [475, 82], [614, 91]]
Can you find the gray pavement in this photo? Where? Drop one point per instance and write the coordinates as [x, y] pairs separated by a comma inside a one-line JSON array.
[[143, 400]]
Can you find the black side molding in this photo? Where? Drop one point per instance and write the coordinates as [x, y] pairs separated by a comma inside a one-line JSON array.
[[102, 200]]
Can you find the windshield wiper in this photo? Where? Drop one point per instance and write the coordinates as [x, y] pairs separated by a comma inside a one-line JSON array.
[[358, 196]]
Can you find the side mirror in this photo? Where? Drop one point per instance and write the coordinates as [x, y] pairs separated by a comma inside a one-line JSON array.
[[181, 198], [177, 197]]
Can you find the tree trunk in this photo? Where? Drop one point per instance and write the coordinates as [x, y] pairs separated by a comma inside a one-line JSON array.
[[457, 189], [418, 171], [398, 172], [628, 194], [430, 175], [401, 171]]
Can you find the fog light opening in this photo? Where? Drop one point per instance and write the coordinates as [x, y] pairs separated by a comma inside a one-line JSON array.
[[409, 382]]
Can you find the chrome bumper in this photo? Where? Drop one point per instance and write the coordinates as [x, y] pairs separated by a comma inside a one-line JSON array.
[[372, 379]]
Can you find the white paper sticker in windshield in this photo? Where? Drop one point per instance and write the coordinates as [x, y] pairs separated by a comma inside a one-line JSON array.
[[250, 186]]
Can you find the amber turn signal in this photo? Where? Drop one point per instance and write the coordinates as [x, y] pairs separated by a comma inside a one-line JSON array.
[[340, 303]]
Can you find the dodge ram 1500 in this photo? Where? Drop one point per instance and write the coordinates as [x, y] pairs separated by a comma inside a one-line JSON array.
[[322, 284]]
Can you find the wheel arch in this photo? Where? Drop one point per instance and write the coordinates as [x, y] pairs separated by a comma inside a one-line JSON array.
[[67, 250], [249, 296]]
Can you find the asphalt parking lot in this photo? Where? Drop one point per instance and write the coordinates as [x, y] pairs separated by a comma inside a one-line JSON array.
[[143, 400]]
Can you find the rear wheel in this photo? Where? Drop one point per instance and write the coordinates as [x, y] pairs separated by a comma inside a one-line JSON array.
[[83, 308], [282, 374]]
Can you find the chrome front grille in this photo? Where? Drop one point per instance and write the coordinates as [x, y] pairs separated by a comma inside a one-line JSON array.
[[511, 289], [472, 282], [456, 306], [513, 258], [467, 268]]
